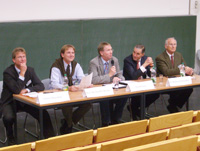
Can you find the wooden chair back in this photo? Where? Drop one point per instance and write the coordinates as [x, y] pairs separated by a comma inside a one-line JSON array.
[[177, 144], [121, 130], [170, 120], [197, 118], [184, 130], [22, 147], [77, 139], [133, 141], [86, 148]]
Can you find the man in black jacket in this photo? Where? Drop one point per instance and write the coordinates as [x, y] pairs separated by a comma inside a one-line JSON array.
[[18, 78], [137, 66]]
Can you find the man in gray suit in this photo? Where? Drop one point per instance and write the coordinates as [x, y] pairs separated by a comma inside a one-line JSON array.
[[105, 68], [167, 64]]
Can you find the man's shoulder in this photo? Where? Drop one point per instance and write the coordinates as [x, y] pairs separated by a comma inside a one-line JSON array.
[[95, 59], [161, 55], [10, 69], [177, 53], [114, 58], [128, 58], [30, 68]]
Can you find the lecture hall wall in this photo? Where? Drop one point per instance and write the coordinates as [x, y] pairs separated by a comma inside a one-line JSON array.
[[45, 10]]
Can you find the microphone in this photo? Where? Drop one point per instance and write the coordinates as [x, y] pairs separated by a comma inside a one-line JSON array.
[[112, 62]]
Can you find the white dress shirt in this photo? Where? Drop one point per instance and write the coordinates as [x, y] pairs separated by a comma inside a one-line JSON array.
[[143, 69], [56, 79], [170, 55]]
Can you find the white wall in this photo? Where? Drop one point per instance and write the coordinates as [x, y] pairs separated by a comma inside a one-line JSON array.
[[29, 10], [37, 10]]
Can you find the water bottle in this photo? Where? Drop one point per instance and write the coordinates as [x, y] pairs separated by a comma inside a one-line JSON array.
[[65, 83], [182, 70], [153, 75]]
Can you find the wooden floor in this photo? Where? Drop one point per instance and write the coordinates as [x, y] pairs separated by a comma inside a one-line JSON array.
[[159, 108]]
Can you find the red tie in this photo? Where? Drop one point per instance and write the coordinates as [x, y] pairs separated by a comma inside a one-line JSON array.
[[172, 60], [138, 67]]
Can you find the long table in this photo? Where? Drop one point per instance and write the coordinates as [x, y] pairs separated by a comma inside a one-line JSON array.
[[77, 98]]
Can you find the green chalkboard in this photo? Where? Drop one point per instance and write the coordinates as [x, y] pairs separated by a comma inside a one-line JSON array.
[[43, 40]]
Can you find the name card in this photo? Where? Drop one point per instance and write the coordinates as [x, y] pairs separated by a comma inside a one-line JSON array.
[[179, 81], [52, 97], [98, 91], [139, 86]]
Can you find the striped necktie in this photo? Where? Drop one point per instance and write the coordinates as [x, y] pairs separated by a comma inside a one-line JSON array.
[[106, 68]]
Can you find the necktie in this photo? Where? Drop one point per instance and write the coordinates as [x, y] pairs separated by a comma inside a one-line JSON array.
[[68, 75], [68, 70], [138, 67], [106, 67], [172, 60]]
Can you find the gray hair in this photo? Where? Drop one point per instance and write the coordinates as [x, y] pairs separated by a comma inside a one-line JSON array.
[[166, 41]]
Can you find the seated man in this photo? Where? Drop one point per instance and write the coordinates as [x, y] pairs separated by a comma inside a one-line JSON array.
[[20, 79], [167, 64], [67, 65], [137, 66], [105, 68]]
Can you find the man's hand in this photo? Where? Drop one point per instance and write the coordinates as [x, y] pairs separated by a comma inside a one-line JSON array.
[[90, 86], [112, 71], [148, 61], [23, 91], [116, 79], [188, 71], [73, 88], [23, 68]]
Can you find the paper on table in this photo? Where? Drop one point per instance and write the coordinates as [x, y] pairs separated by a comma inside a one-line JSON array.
[[31, 94], [86, 81]]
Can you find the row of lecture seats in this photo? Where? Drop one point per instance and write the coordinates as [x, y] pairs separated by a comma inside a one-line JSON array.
[[190, 143], [161, 130]]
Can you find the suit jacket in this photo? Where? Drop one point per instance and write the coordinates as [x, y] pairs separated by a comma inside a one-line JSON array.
[[164, 65], [97, 67], [13, 85], [130, 71]]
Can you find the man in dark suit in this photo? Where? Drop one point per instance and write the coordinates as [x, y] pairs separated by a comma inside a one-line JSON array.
[[20, 79], [137, 66], [105, 68], [167, 64]]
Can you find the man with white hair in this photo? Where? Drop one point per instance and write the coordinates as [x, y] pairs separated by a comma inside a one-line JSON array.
[[167, 64]]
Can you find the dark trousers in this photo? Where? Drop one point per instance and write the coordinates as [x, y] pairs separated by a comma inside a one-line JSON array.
[[75, 116], [9, 118], [179, 97], [111, 111], [135, 103]]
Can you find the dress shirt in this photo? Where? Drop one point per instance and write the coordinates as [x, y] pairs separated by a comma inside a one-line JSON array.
[[170, 55], [141, 67], [104, 64], [20, 77], [57, 78]]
